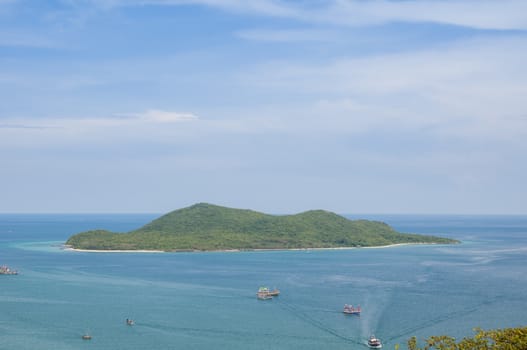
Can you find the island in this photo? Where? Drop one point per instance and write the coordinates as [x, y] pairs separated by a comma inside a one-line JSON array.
[[208, 227]]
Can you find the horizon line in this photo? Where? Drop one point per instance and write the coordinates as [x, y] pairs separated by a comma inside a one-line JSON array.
[[339, 213]]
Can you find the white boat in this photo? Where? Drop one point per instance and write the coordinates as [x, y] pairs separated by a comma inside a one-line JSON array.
[[374, 343], [350, 310], [5, 270], [265, 293]]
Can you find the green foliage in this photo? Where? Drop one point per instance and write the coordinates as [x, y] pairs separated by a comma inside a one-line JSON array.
[[499, 339], [210, 227]]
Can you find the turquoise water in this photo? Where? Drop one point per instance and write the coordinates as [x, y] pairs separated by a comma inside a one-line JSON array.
[[207, 300]]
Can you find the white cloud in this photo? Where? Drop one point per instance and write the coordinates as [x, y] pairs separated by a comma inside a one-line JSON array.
[[483, 14], [158, 116], [469, 89], [60, 131], [472, 88], [264, 7]]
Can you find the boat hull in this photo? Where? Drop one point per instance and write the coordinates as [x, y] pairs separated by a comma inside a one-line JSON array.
[[374, 343], [350, 310], [265, 294], [5, 270]]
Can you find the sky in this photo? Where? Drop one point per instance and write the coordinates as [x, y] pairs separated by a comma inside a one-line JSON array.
[[352, 106]]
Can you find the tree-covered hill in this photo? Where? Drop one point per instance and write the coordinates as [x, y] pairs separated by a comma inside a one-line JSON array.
[[210, 227]]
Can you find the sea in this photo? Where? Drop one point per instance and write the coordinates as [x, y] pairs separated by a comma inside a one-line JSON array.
[[207, 300]]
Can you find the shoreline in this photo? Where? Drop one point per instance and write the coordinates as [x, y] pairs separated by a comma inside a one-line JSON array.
[[68, 248]]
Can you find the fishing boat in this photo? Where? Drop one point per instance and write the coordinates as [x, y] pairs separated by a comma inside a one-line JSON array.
[[86, 337], [130, 322], [374, 343], [264, 291], [5, 270], [350, 310]]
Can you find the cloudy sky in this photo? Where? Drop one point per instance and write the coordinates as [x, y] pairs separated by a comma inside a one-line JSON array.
[[354, 106]]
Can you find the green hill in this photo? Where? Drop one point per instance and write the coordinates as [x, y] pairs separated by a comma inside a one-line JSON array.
[[211, 227]]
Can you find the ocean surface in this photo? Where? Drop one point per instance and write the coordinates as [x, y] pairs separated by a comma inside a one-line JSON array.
[[207, 300]]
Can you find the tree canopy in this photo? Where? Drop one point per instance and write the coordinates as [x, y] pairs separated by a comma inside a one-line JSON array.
[[210, 227], [497, 339]]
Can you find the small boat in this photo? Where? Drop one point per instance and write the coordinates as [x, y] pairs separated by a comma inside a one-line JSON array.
[[130, 322], [5, 270], [374, 343], [86, 337], [350, 310], [266, 292]]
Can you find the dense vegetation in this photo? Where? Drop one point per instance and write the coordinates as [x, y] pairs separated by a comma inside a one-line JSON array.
[[210, 227], [499, 339]]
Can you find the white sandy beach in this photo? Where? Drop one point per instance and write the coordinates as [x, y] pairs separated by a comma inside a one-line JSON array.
[[234, 250], [110, 251]]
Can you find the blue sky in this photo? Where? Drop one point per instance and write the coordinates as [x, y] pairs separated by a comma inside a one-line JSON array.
[[352, 106]]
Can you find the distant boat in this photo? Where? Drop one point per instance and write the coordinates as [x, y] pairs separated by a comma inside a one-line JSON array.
[[86, 337], [5, 270], [350, 310], [130, 322], [265, 293], [374, 343]]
